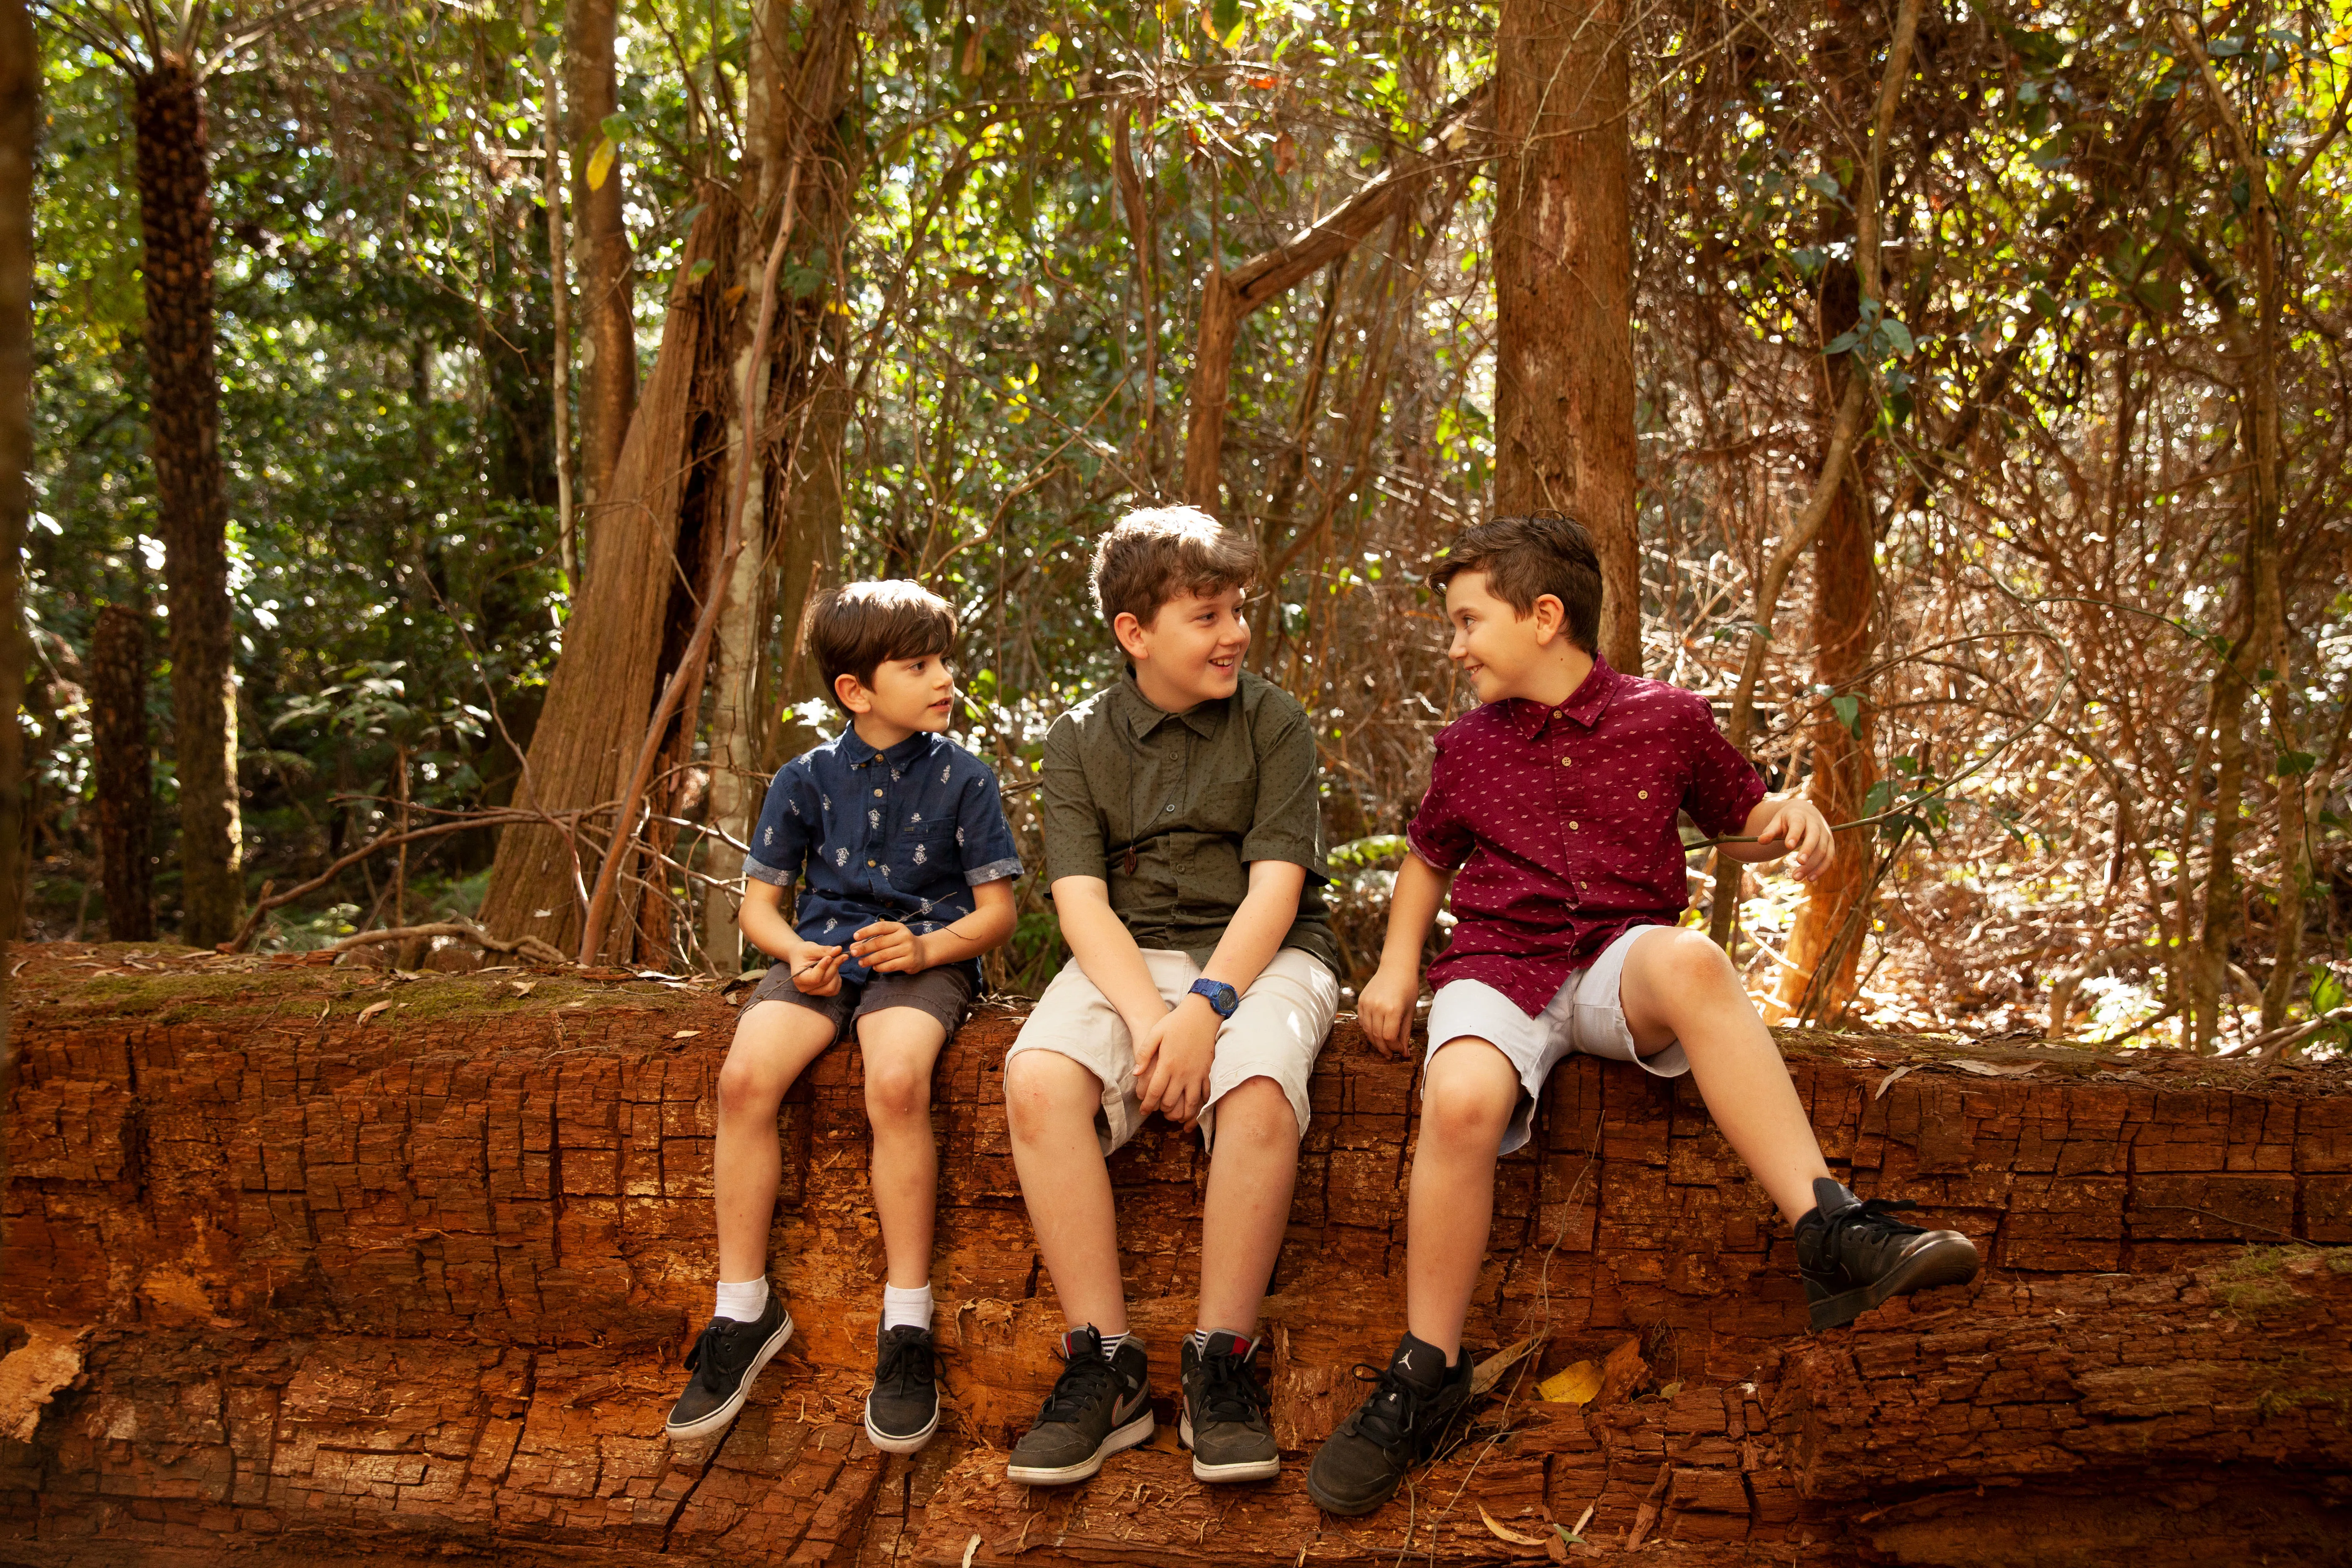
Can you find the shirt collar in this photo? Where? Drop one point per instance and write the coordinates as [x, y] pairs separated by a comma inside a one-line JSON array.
[[1144, 716], [854, 751], [1584, 705]]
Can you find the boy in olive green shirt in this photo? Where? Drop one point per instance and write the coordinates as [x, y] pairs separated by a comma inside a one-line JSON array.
[[1183, 844]]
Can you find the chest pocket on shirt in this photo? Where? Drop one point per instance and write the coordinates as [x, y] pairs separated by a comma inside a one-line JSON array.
[[931, 850], [1228, 808]]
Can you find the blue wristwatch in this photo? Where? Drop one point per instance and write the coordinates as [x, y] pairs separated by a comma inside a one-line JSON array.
[[1221, 996]]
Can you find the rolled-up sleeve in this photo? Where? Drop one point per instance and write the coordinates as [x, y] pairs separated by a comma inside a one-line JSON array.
[[1288, 821], [779, 839], [984, 837], [1437, 833], [1724, 786], [1073, 827]]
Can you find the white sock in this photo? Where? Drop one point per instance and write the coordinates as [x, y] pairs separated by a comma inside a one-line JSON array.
[[906, 1308], [742, 1300], [1111, 1343]]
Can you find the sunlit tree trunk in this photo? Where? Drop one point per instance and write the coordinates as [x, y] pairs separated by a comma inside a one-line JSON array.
[[1563, 287], [126, 801], [608, 355], [176, 222], [791, 522]]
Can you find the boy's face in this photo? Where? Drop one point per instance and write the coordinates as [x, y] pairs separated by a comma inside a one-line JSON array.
[[1192, 651], [1496, 646], [908, 694]]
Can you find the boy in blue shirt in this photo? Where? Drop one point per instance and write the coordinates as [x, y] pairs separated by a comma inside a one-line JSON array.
[[898, 840]]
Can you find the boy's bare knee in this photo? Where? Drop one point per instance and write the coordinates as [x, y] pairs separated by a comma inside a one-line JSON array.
[[746, 1087], [1044, 1089], [1693, 966], [896, 1092], [1468, 1096], [1256, 1110]]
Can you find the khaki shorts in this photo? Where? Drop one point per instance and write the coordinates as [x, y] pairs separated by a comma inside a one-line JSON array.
[[1275, 1033], [1586, 1017]]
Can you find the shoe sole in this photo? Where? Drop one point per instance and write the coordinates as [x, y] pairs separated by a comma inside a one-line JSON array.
[[1952, 1262], [1330, 1504], [1240, 1470], [1137, 1430], [726, 1413], [910, 1444]]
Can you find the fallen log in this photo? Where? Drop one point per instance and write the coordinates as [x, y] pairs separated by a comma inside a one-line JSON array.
[[325, 1264]]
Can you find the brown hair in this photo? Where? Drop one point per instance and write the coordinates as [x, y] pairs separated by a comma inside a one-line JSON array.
[[859, 626], [1525, 558], [1157, 553]]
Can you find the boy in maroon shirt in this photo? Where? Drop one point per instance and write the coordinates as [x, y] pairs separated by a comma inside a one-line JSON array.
[[1551, 813]]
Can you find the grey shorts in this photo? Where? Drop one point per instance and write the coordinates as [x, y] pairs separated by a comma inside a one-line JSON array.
[[1586, 1017], [944, 993]]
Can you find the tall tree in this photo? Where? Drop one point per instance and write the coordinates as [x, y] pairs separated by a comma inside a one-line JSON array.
[[158, 50], [126, 801], [1564, 287], [20, 125], [608, 391]]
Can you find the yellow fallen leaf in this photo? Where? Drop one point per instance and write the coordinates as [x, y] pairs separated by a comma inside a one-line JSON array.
[[599, 164], [1513, 1536], [686, 1034], [372, 1009], [1571, 1385], [523, 987]]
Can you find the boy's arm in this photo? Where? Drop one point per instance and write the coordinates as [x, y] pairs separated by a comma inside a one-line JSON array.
[[892, 949], [815, 970], [1787, 825], [1105, 952], [1385, 1007], [1172, 1062]]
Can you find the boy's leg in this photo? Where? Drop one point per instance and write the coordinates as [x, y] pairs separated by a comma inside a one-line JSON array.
[[1050, 1101], [1467, 1096], [1678, 986], [1252, 1171], [901, 1045], [774, 1043]]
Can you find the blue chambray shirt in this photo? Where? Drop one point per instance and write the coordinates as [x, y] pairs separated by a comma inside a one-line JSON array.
[[903, 834]]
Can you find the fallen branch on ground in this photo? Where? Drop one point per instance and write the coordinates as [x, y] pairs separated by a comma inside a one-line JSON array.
[[529, 947]]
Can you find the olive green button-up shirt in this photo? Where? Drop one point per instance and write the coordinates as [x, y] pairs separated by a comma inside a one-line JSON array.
[[1170, 809]]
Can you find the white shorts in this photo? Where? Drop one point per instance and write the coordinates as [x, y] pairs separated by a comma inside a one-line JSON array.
[[1586, 1016], [1275, 1033]]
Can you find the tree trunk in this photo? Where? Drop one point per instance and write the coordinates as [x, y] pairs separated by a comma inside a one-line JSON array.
[[20, 86], [608, 393], [1822, 949], [1564, 286], [126, 801], [792, 515], [175, 221], [647, 570], [559, 292]]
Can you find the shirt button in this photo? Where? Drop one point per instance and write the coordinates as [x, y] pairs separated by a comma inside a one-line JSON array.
[[1572, 827], [1170, 806], [1644, 795], [869, 862], [1567, 762], [878, 792]]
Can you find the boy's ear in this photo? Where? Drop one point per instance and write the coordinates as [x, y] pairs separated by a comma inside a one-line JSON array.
[[851, 693], [1550, 617], [1130, 633]]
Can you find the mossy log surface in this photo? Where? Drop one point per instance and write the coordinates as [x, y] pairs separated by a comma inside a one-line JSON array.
[[332, 1265]]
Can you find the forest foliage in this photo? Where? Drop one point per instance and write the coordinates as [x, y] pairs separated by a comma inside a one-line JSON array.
[[2073, 641]]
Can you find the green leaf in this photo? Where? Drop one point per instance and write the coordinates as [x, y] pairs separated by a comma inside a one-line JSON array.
[[2291, 764], [615, 127], [1224, 17], [1849, 713], [699, 270]]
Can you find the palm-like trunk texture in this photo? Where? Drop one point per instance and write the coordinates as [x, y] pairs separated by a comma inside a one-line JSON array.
[[175, 221]]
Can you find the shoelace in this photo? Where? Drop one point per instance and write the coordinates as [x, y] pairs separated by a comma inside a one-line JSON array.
[[1388, 1416], [708, 1350], [908, 1360], [1084, 1375], [1228, 1391]]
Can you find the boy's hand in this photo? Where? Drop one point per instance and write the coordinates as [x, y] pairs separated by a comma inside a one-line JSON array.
[[1803, 833], [1172, 1062], [886, 947], [1385, 1008], [817, 971]]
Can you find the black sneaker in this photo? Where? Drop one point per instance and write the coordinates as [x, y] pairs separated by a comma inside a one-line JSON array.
[[1099, 1406], [1224, 1421], [725, 1362], [1852, 1256], [1360, 1466], [903, 1411]]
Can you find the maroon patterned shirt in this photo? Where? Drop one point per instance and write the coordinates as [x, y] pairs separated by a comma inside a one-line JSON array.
[[1561, 822]]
